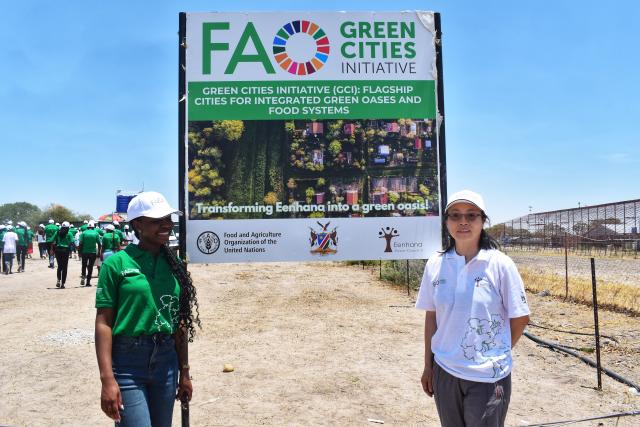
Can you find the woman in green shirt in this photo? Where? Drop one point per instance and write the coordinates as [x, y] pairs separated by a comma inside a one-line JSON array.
[[60, 244], [145, 300]]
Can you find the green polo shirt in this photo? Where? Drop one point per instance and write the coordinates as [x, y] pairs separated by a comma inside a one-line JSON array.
[[29, 236], [119, 233], [63, 242], [110, 241], [22, 236], [84, 227], [142, 291], [49, 231], [89, 241]]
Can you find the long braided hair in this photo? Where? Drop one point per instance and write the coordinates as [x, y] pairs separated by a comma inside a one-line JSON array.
[[188, 299]]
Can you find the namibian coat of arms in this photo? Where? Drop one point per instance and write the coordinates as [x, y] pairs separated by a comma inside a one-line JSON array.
[[324, 241]]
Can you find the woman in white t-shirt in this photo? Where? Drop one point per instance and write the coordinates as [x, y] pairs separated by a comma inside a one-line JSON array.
[[476, 310]]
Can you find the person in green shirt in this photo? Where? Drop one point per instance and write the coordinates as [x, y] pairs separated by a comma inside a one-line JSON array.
[[89, 247], [145, 301], [23, 243], [60, 246], [84, 226], [117, 230], [110, 243], [30, 235], [49, 232]]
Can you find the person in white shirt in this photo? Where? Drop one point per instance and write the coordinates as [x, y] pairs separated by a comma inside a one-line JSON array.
[[476, 310], [130, 236], [10, 241], [42, 241]]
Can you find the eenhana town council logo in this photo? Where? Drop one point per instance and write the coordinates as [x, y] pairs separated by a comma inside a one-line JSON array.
[[303, 28], [388, 234]]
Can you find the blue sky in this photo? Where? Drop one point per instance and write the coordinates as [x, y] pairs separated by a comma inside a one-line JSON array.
[[541, 99]]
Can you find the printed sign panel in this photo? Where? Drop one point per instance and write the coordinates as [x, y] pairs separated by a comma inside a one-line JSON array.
[[311, 136]]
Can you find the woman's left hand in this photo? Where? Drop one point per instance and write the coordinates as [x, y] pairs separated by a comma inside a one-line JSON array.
[[184, 385]]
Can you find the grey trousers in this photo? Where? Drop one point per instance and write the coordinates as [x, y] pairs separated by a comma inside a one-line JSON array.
[[463, 403]]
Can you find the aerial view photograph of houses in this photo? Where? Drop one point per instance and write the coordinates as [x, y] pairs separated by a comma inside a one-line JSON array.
[[339, 162]]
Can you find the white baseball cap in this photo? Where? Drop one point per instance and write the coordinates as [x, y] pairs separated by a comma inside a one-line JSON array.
[[116, 223], [150, 204], [65, 224], [466, 196], [91, 224], [51, 221], [126, 226], [110, 227]]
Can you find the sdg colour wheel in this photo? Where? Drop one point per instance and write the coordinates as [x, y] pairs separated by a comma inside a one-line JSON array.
[[301, 68]]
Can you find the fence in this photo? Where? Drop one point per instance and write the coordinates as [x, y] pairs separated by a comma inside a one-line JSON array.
[[607, 229]]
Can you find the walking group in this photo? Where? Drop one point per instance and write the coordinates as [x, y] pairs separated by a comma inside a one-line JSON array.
[[58, 242], [15, 242]]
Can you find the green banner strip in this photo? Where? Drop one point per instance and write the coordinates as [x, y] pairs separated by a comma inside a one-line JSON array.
[[280, 100]]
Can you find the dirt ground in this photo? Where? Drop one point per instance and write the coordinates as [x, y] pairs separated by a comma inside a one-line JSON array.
[[311, 343]]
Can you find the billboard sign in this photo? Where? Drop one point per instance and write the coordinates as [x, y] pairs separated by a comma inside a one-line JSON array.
[[310, 136]]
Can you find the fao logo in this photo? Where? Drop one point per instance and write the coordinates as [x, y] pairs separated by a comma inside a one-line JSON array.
[[208, 242]]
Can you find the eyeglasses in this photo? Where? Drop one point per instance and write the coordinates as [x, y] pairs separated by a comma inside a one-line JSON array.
[[471, 216]]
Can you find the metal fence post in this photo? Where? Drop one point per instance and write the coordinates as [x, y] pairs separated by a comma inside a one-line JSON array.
[[566, 269], [595, 320], [408, 288]]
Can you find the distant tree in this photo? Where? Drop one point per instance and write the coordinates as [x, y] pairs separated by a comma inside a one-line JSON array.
[[20, 211], [58, 213]]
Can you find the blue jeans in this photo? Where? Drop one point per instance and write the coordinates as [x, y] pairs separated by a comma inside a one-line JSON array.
[[146, 369], [8, 262]]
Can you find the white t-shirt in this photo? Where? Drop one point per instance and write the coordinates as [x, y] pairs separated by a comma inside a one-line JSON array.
[[473, 304], [10, 238], [131, 236], [41, 238]]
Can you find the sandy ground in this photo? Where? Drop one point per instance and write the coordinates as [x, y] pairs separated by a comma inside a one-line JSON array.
[[312, 344]]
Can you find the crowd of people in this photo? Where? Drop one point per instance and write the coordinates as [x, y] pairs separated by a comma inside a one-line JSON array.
[[90, 242]]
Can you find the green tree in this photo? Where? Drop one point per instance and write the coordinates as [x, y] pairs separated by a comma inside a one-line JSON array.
[[20, 211], [58, 213]]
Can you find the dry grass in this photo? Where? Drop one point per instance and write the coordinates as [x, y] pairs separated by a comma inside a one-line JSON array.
[[610, 295]]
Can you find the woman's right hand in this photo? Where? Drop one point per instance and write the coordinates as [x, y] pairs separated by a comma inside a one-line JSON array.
[[427, 380], [111, 400]]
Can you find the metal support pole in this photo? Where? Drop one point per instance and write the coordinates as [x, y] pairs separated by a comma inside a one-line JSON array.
[[381, 269], [595, 320], [408, 288], [566, 268]]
